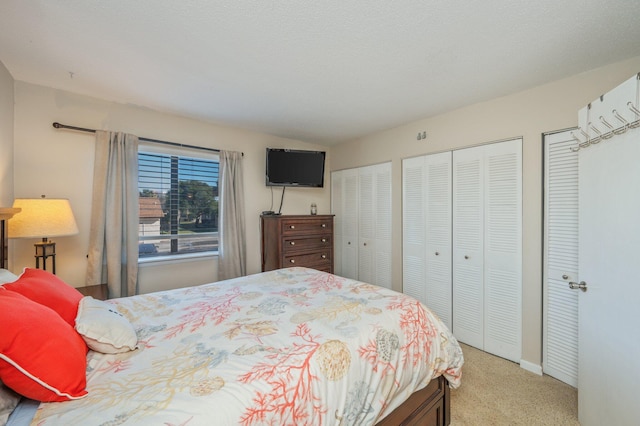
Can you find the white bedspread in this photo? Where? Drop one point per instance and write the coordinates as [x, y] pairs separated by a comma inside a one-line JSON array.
[[288, 347]]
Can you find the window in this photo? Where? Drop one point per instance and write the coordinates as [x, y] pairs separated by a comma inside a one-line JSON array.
[[178, 202]]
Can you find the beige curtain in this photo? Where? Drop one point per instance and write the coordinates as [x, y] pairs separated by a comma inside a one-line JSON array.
[[232, 257], [113, 240]]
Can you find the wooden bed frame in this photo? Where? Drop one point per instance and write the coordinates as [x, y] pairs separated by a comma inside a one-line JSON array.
[[430, 406]]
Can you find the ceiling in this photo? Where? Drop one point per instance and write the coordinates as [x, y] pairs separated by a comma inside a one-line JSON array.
[[319, 71]]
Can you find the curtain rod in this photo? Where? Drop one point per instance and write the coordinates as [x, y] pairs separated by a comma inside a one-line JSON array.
[[83, 129]]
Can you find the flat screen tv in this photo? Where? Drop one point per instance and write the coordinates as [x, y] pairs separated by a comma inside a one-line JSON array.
[[290, 167]]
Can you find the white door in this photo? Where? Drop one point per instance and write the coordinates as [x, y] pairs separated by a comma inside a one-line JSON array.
[[487, 247], [560, 303], [438, 235], [609, 311], [336, 209], [349, 237], [468, 246], [503, 249], [383, 225], [366, 225], [374, 224], [361, 203], [426, 183], [414, 270]]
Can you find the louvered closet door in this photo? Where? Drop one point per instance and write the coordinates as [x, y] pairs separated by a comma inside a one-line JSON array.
[[350, 223], [366, 225], [337, 209], [487, 242], [382, 210], [468, 242], [560, 343], [438, 237], [503, 249], [414, 224], [374, 226], [427, 231]]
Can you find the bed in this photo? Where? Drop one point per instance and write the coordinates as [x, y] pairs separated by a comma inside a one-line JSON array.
[[287, 347]]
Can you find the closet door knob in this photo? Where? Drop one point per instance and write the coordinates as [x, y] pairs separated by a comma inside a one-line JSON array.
[[575, 286]]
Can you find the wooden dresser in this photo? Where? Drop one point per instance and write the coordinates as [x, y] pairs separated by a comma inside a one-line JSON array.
[[297, 241]]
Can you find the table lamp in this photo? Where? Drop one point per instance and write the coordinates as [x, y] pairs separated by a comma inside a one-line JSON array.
[[43, 218]]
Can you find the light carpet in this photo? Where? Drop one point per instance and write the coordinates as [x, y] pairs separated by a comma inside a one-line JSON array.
[[495, 391]]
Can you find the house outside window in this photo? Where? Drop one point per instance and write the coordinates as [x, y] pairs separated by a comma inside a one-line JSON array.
[[178, 202]]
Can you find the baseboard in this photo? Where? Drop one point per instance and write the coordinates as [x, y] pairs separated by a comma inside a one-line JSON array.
[[529, 366]]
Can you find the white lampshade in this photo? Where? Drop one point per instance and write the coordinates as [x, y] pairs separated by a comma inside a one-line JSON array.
[[42, 218]]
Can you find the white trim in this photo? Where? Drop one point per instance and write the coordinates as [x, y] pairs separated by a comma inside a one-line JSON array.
[[177, 258], [531, 367], [182, 151]]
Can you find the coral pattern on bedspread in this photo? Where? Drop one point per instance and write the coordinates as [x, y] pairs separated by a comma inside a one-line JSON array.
[[289, 347]]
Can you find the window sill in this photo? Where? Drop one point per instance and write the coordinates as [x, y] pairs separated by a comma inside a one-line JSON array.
[[177, 258]]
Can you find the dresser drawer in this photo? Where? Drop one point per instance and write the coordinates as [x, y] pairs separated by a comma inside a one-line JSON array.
[[308, 226], [291, 245], [310, 260]]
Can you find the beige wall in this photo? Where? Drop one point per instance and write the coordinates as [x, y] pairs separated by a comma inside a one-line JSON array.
[[527, 114], [6, 137], [59, 163]]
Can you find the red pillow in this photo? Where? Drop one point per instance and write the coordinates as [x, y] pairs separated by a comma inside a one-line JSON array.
[[45, 288], [41, 356]]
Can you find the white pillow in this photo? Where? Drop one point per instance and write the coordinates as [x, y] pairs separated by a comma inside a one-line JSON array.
[[7, 277], [103, 328]]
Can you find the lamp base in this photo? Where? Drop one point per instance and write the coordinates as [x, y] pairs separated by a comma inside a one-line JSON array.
[[44, 250]]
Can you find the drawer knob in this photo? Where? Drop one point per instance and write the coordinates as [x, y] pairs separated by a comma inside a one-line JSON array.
[[324, 225], [324, 240], [437, 253], [324, 256], [349, 243], [292, 261], [292, 226], [466, 257], [293, 243]]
